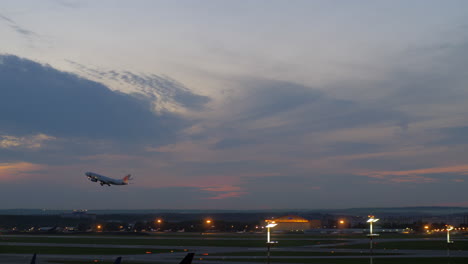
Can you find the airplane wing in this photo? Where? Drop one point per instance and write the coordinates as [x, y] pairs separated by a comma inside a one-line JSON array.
[[188, 259], [33, 260]]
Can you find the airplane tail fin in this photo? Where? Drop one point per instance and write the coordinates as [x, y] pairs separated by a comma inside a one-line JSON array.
[[127, 178], [118, 260], [188, 259], [33, 260]]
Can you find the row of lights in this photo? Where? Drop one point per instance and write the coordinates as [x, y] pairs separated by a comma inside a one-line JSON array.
[[444, 229]]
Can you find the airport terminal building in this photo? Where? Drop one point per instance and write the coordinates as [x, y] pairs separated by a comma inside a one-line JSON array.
[[294, 223]]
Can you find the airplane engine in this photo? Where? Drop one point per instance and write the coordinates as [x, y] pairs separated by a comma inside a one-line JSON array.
[[93, 180]]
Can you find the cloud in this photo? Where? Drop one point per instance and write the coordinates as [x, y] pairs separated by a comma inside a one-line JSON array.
[[458, 169], [70, 3], [28, 142], [224, 192], [166, 94], [426, 175], [281, 109], [452, 136], [18, 170], [39, 99], [28, 34]]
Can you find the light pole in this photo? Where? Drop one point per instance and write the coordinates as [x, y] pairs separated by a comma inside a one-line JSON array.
[[371, 235], [269, 242], [449, 228]]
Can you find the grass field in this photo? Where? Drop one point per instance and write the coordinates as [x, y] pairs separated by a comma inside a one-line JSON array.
[[257, 254], [417, 245], [80, 250], [213, 242], [353, 261], [95, 261], [299, 254]]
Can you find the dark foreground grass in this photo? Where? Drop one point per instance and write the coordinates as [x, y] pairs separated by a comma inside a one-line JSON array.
[[300, 254], [212, 242], [417, 245], [96, 261], [80, 250], [351, 261]]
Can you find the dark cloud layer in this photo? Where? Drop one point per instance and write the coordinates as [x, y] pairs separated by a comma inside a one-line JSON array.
[[39, 99], [293, 110]]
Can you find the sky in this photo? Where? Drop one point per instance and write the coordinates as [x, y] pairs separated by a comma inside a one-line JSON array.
[[258, 104]]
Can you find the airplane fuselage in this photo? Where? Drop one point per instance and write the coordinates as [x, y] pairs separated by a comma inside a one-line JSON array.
[[103, 180]]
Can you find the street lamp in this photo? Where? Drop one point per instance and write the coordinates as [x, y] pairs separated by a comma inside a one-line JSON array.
[[371, 235], [269, 242]]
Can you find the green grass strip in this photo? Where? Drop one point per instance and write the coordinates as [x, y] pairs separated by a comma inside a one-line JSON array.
[[417, 245], [212, 242], [351, 261], [80, 250], [300, 253]]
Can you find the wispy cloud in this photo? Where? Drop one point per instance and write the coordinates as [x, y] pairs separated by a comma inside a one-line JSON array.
[[458, 169], [224, 192], [165, 93], [28, 34], [28, 142], [425, 175], [70, 3], [17, 170]]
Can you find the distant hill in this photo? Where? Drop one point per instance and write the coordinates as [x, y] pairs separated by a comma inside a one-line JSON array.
[[429, 210]]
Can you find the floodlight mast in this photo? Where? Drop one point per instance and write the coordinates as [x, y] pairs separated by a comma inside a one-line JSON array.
[[372, 220], [268, 231], [371, 235], [449, 242], [270, 225], [449, 228]]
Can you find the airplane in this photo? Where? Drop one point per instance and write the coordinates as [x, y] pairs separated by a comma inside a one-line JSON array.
[[94, 177]]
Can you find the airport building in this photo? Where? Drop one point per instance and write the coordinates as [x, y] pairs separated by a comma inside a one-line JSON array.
[[294, 223], [79, 214]]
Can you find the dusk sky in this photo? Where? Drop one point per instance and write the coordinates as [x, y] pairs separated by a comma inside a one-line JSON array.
[[221, 104]]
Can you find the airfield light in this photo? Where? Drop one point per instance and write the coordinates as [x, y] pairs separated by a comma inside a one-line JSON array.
[[270, 225], [371, 235], [159, 221], [208, 221], [269, 243], [371, 220], [342, 222], [449, 228]]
